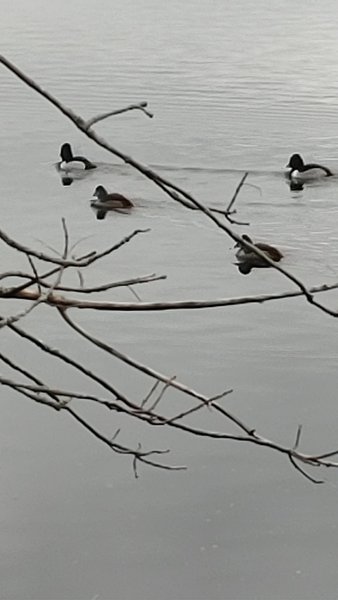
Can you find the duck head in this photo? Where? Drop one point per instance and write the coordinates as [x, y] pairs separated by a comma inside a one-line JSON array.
[[100, 192], [66, 152], [296, 162], [246, 238]]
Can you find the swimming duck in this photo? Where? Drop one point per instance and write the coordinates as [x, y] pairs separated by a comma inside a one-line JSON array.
[[301, 171], [248, 259], [106, 202], [69, 161]]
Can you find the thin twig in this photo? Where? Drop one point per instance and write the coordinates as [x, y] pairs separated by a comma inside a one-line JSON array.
[[162, 392], [140, 106], [38, 279], [150, 393], [299, 431], [237, 190], [304, 473], [36, 276]]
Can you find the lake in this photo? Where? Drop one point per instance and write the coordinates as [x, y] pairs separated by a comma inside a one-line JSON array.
[[234, 87]]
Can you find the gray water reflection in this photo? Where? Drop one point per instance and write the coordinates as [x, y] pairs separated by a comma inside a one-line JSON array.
[[234, 86]]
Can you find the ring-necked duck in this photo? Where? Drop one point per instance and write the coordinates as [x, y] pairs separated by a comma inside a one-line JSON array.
[[69, 161], [106, 202], [301, 171], [248, 259]]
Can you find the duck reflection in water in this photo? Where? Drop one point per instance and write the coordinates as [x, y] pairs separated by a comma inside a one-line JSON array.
[[248, 260], [66, 180], [296, 186]]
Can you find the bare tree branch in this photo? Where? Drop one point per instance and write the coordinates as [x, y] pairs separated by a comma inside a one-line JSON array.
[[80, 262], [140, 106], [63, 302], [38, 279]]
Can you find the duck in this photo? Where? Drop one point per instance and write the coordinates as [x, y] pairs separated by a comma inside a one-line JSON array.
[[69, 161], [106, 201], [248, 259], [300, 171]]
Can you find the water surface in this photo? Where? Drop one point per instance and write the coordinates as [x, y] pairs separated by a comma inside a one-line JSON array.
[[234, 86]]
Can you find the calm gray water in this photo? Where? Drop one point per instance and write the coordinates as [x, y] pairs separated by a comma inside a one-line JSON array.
[[234, 86]]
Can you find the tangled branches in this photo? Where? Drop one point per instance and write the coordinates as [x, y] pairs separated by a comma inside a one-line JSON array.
[[47, 287], [37, 287]]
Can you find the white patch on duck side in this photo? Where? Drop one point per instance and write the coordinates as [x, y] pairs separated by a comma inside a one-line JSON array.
[[315, 173], [98, 203], [241, 254], [73, 165], [109, 204]]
